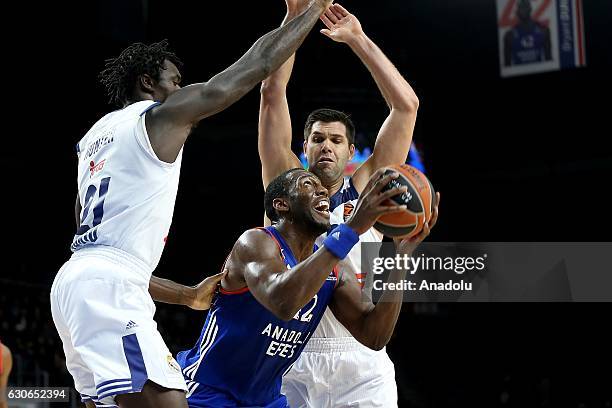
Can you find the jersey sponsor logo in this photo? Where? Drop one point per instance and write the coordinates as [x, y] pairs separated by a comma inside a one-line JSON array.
[[284, 341], [98, 144], [95, 168], [348, 210]]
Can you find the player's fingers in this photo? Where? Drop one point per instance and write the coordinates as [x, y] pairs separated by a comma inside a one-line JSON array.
[[378, 174], [336, 12], [332, 17], [214, 279], [381, 183], [434, 217], [326, 21], [327, 33], [387, 209], [392, 193], [342, 10]]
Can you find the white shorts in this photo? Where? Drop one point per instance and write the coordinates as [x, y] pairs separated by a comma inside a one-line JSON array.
[[103, 312], [340, 372]]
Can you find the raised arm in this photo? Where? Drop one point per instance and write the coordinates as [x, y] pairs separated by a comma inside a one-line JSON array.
[[169, 124], [373, 325], [274, 143], [395, 135]]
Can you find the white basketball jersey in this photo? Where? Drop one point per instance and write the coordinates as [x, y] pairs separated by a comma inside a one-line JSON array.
[[342, 205], [127, 194]]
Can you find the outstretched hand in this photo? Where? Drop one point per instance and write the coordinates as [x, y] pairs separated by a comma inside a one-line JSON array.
[[408, 245], [341, 25], [205, 291]]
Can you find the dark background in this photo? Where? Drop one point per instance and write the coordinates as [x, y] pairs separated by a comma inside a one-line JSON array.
[[519, 159]]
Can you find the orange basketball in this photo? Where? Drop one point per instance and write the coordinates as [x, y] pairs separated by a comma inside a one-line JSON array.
[[419, 200]]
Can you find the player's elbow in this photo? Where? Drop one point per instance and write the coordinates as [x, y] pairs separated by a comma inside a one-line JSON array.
[[285, 312], [409, 102], [371, 338], [271, 92], [377, 343]]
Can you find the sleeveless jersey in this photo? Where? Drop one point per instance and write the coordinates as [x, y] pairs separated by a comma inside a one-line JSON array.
[[127, 194], [244, 349], [527, 45], [342, 204]]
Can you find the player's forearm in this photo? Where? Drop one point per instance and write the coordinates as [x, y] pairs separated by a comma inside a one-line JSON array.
[[275, 85], [379, 324], [395, 89], [266, 55], [295, 287], [167, 291]]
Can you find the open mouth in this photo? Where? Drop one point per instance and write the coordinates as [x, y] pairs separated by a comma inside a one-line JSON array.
[[326, 160], [322, 207]]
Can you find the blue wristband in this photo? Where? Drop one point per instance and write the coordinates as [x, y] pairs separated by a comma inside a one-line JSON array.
[[341, 240]]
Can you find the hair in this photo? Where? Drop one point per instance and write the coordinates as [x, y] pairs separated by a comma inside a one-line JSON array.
[[327, 116], [120, 74], [279, 187]]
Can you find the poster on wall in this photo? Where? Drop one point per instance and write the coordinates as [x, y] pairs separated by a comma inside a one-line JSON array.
[[540, 35]]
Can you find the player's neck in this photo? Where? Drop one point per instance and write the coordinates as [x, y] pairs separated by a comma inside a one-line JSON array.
[[299, 240], [334, 186]]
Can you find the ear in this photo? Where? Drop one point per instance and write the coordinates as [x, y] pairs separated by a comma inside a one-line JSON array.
[[280, 205], [146, 83], [304, 146], [351, 151]]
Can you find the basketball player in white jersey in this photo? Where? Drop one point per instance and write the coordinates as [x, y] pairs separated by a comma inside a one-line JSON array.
[[128, 173], [335, 370]]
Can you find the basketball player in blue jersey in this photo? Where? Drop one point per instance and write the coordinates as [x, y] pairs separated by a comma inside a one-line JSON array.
[[528, 41], [128, 172], [354, 375], [276, 291]]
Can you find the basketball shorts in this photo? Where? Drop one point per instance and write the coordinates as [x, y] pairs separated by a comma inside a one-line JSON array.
[[340, 372], [203, 396], [103, 313]]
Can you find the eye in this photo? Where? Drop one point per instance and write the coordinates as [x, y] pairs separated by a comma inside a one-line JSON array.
[[308, 183]]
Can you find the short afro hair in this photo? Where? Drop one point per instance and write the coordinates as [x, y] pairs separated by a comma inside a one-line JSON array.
[[279, 187], [328, 116], [120, 74]]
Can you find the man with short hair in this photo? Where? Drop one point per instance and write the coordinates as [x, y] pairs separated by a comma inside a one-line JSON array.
[[354, 375]]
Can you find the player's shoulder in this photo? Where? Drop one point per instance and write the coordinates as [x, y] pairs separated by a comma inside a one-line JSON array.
[[255, 242]]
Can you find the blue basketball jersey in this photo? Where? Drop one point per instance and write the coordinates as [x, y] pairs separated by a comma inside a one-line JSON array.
[[528, 45], [244, 349]]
